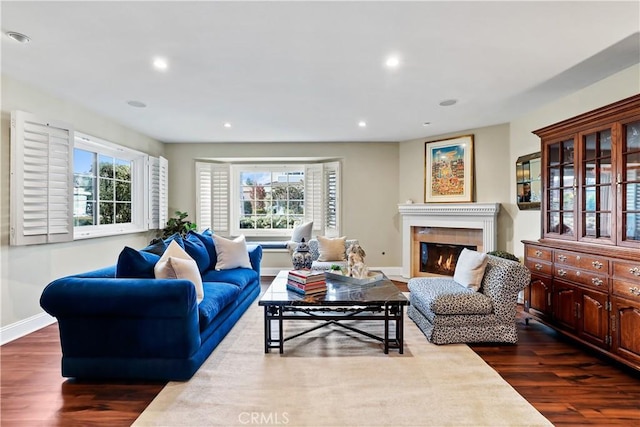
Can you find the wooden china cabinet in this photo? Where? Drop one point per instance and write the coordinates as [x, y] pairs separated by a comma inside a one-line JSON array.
[[586, 266]]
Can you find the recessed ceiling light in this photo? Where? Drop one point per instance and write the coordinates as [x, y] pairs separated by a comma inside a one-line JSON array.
[[448, 102], [392, 62], [227, 125], [425, 124], [362, 124], [137, 104], [20, 38], [160, 64]]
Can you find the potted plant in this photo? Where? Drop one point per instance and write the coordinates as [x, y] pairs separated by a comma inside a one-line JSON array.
[[178, 224]]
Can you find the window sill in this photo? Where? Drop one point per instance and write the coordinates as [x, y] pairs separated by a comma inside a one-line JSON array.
[[82, 235]]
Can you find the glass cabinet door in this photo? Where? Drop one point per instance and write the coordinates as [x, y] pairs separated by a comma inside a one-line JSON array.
[[597, 186], [561, 188], [629, 181]]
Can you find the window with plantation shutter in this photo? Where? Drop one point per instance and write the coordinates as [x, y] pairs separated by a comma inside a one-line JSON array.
[[67, 185], [212, 196], [268, 199], [41, 180]]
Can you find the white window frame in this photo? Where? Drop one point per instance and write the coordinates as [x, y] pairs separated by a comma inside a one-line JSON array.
[[218, 196], [235, 199], [139, 187]]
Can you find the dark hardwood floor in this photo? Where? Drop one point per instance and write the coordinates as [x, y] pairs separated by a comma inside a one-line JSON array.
[[567, 383]]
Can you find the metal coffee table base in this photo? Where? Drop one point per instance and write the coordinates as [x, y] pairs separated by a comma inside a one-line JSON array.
[[392, 314]]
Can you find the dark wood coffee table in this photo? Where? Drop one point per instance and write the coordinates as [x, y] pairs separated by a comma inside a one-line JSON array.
[[381, 301]]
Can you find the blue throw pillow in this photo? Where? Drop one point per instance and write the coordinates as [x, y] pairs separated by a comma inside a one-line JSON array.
[[177, 237], [157, 247], [133, 264], [207, 240], [196, 249]]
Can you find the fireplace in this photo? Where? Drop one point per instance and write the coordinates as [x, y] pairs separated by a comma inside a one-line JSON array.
[[471, 225], [440, 258]]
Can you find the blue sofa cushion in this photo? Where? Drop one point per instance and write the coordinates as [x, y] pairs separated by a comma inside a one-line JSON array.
[[196, 249], [207, 240], [240, 277], [216, 297], [135, 264]]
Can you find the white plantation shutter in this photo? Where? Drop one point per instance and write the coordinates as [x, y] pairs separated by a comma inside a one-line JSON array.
[[212, 196], [163, 192], [41, 180], [332, 199], [313, 206], [158, 192], [203, 196]]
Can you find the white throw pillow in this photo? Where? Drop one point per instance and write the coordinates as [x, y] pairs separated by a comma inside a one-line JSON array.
[[302, 231], [470, 269], [175, 263], [231, 253], [331, 249]]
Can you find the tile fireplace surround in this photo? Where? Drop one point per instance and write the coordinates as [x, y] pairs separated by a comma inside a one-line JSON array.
[[451, 219]]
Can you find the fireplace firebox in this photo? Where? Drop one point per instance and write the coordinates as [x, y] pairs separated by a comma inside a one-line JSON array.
[[440, 258]]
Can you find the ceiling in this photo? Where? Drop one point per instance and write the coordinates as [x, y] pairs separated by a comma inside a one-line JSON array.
[[311, 71]]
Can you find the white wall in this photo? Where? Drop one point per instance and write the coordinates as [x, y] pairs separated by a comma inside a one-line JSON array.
[[492, 172], [26, 270], [369, 187], [527, 224]]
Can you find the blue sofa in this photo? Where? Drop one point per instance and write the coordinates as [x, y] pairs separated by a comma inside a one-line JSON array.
[[139, 327]]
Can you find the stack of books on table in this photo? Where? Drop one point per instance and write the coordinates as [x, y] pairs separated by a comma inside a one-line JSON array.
[[306, 281]]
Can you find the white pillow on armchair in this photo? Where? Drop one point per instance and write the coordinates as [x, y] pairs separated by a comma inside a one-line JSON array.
[[470, 269]]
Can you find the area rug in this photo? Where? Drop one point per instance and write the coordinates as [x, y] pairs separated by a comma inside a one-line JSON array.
[[334, 377]]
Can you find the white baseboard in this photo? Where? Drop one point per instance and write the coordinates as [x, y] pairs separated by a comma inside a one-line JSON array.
[[24, 327], [388, 271]]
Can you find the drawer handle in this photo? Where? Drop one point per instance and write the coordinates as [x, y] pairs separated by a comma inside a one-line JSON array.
[[596, 281], [538, 267], [562, 258], [538, 254], [597, 264], [635, 271], [562, 273], [635, 291]]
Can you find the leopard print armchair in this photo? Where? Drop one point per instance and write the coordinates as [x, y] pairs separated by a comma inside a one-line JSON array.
[[448, 313]]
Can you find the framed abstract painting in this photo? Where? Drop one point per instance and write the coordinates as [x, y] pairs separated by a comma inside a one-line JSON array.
[[449, 170]]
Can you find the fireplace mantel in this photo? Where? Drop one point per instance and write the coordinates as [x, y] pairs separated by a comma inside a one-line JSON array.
[[481, 216]]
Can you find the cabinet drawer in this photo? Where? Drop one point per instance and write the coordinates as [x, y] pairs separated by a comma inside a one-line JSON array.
[[627, 289], [583, 262], [538, 266], [535, 252], [586, 278], [627, 270]]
